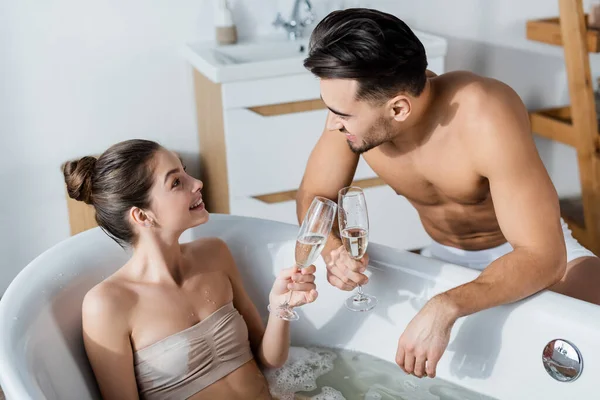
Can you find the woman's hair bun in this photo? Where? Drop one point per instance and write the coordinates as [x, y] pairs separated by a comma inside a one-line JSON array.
[[78, 177]]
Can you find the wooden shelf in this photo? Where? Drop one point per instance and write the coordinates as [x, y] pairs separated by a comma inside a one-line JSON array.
[[571, 209], [577, 124], [554, 124], [548, 31]]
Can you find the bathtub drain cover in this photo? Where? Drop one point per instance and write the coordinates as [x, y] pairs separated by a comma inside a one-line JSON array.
[[562, 360]]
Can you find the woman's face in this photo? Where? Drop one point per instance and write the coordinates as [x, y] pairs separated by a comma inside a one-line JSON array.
[[175, 198]]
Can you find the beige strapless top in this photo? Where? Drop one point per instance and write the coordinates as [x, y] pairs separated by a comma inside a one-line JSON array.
[[186, 362]]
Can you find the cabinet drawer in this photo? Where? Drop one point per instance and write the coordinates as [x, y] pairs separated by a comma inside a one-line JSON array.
[[268, 154], [276, 90]]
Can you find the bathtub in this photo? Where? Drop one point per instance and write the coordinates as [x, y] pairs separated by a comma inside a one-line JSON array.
[[497, 352]]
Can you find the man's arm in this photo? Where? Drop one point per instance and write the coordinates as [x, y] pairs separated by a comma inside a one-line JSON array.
[[331, 166], [526, 206]]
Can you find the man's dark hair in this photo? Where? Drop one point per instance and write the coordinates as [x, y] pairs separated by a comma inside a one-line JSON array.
[[374, 48]]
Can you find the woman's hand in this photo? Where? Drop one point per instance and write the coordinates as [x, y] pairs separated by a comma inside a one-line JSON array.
[[300, 282]]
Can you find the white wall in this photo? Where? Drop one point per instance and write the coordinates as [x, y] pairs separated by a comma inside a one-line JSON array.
[[76, 77]]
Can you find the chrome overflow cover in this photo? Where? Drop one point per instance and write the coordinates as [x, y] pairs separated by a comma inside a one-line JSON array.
[[562, 360]]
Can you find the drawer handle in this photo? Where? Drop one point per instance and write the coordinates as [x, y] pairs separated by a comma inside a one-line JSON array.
[[280, 197], [288, 108]]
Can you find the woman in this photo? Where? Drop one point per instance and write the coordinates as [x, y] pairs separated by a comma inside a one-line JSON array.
[[175, 321]]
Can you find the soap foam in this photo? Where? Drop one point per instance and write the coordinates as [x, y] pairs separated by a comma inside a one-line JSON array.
[[328, 393], [346, 375], [300, 373]]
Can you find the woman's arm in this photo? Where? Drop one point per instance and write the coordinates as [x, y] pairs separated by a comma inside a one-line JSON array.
[[304, 291], [106, 340], [270, 344]]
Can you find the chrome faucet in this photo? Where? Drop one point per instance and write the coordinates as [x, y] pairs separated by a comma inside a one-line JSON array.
[[296, 25]]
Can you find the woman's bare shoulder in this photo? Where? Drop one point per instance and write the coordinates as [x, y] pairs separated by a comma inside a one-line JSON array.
[[111, 299], [212, 250]]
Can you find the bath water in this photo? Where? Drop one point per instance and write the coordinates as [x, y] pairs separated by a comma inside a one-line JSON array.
[[335, 374]]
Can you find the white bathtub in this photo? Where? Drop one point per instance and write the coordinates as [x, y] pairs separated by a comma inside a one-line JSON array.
[[497, 352]]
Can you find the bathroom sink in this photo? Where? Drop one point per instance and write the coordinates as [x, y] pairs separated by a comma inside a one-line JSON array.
[[266, 57], [259, 52], [261, 58]]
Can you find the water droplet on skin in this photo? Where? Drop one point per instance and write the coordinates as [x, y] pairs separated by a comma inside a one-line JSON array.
[[15, 318], [60, 274]]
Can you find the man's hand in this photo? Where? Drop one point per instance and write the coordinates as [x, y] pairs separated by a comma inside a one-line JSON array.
[[426, 337], [344, 272]]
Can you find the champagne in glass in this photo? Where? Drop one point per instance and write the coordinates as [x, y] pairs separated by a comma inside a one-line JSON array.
[[310, 241], [355, 242], [353, 220], [308, 248]]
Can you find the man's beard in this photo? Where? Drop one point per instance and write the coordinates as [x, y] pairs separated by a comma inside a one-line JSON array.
[[382, 134]]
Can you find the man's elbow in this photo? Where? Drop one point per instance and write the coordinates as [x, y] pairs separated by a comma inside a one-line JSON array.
[[300, 195], [303, 197], [558, 265], [560, 271]]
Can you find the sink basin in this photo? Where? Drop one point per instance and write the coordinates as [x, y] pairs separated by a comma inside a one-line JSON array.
[[262, 58], [267, 57], [251, 53]]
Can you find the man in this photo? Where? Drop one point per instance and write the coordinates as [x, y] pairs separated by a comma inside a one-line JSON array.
[[459, 148]]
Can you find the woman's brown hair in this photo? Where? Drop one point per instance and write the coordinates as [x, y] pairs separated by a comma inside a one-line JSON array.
[[121, 178]]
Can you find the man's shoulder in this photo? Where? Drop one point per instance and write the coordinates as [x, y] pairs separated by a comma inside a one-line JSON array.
[[475, 90], [480, 102], [484, 110]]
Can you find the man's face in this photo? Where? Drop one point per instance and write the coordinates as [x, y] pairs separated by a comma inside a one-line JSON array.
[[364, 124]]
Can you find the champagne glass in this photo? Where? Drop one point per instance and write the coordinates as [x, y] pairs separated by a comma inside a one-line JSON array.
[[354, 231], [310, 241]]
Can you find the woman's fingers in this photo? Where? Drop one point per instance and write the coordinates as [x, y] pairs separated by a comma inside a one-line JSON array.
[[301, 287]]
